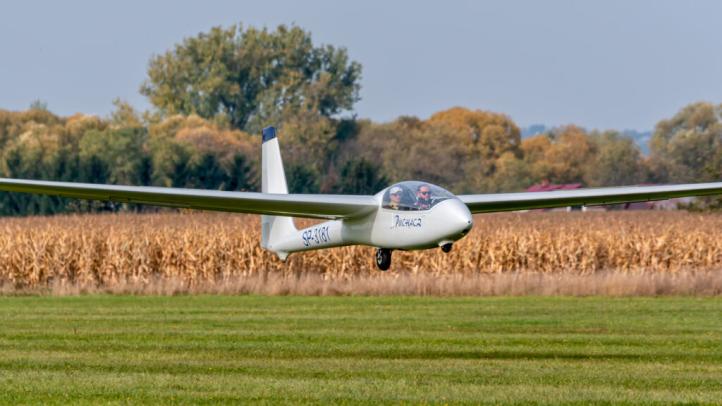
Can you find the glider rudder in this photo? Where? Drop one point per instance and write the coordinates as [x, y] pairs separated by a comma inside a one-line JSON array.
[[274, 229]]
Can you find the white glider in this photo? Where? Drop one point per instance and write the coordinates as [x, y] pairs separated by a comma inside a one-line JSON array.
[[405, 216]]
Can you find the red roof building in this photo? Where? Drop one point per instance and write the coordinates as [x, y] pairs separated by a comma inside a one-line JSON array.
[[545, 186]]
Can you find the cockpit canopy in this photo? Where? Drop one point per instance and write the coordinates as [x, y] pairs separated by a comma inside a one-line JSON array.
[[414, 196]]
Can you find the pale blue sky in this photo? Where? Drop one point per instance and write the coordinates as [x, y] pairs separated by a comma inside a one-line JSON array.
[[604, 64]]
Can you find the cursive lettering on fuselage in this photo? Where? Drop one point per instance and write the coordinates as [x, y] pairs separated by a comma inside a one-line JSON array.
[[406, 222]]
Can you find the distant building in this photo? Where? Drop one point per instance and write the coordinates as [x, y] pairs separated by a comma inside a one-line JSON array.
[[545, 186], [668, 204]]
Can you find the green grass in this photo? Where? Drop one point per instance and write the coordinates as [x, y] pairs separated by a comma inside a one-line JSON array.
[[221, 349]]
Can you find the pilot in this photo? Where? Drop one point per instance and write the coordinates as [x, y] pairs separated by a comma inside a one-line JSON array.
[[395, 198], [423, 197]]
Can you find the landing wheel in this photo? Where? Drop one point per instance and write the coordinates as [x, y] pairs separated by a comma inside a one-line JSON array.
[[446, 247], [383, 258]]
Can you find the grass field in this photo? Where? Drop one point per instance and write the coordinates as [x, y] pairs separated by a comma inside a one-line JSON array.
[[211, 349]]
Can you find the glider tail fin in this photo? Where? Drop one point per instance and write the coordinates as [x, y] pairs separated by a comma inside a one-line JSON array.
[[274, 229]]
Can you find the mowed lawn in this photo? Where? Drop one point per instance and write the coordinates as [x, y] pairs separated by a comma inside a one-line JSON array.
[[214, 349]]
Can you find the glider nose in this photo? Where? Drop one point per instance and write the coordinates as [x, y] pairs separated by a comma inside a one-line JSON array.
[[460, 218]]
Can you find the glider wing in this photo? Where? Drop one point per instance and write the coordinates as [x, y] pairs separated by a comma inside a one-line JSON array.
[[485, 203], [294, 205]]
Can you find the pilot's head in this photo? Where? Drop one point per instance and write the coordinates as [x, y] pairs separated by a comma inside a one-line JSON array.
[[423, 193], [395, 194]]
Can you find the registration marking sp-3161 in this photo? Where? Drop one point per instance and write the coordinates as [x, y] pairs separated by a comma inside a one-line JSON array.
[[316, 236]]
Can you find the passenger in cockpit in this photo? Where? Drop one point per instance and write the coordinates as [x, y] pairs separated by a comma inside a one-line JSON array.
[[423, 197], [395, 198]]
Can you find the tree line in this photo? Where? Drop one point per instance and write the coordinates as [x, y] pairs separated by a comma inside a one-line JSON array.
[[213, 93]]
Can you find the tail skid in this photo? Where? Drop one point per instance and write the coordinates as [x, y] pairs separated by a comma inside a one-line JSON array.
[[274, 229]]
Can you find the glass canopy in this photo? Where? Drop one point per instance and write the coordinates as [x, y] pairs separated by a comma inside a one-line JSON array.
[[414, 195]]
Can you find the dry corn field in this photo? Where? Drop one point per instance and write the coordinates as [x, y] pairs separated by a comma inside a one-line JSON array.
[[613, 253]]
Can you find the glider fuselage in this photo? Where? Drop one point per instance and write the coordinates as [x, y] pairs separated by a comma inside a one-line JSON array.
[[390, 228]]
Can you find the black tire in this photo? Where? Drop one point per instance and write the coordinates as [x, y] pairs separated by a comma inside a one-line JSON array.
[[383, 259], [446, 247]]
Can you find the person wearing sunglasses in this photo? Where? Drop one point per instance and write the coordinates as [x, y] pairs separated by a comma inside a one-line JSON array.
[[423, 197]]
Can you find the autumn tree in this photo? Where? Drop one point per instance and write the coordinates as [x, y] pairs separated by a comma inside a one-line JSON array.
[[458, 148], [484, 138], [252, 76], [124, 149], [409, 149], [360, 177], [188, 151], [512, 174], [534, 152], [561, 156], [617, 161], [115, 156], [125, 116], [489, 134], [688, 146]]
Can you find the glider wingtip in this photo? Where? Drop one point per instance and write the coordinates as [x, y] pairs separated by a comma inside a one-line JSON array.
[[268, 133]]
